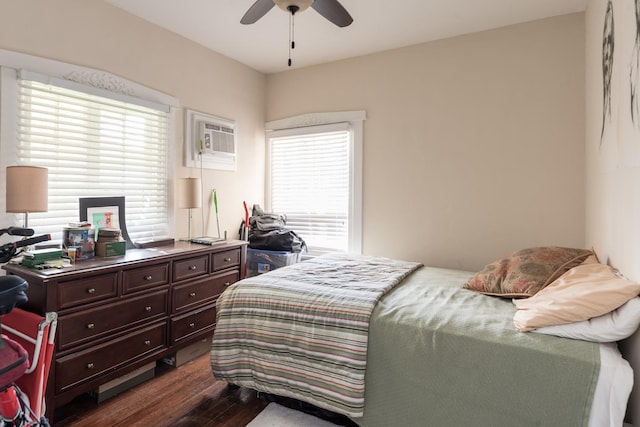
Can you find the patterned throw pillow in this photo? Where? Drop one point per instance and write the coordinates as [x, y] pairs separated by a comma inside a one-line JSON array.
[[525, 272]]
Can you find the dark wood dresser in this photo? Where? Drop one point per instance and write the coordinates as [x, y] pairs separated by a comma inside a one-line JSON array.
[[117, 314]]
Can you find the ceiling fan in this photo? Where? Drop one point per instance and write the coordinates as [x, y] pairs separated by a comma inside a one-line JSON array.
[[330, 9]]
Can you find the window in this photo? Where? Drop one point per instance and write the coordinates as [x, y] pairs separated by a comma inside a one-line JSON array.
[[95, 144], [314, 177]]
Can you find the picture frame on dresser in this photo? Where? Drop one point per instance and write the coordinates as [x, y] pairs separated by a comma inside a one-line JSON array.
[[93, 208]]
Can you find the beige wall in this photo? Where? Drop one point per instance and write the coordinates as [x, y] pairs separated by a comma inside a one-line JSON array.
[[613, 156], [94, 34], [474, 146]]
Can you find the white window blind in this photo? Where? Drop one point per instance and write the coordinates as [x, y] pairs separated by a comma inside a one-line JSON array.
[[309, 180], [95, 146]]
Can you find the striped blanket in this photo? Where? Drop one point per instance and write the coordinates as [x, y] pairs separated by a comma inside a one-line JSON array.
[[302, 331]]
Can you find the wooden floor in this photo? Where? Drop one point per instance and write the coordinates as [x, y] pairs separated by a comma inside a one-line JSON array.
[[183, 396]]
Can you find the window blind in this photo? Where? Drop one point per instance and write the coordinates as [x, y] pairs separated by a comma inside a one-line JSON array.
[[309, 182], [94, 146]]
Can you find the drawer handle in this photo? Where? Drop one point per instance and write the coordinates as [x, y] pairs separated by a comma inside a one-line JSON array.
[[147, 342], [147, 278], [90, 326], [148, 309], [91, 290], [192, 294], [227, 283], [90, 365], [192, 325], [227, 259], [193, 267]]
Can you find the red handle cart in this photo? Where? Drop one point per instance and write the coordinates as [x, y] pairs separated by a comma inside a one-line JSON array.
[[36, 334]]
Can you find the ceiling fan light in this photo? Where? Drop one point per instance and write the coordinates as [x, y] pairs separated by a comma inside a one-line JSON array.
[[300, 4]]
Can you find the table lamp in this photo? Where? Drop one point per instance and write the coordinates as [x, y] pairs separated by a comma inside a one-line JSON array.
[[27, 190], [189, 196]]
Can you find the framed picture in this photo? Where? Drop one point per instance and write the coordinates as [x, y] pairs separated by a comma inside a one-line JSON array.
[[105, 212]]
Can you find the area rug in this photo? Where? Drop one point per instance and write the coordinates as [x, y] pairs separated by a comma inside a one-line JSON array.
[[276, 415]]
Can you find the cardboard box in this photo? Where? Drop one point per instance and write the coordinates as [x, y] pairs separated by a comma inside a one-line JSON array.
[[189, 353], [125, 382], [81, 238], [111, 248]]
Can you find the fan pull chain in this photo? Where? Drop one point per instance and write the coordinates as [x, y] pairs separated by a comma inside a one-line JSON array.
[[292, 43]]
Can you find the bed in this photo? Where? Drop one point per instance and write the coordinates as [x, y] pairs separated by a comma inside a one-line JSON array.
[[430, 351]]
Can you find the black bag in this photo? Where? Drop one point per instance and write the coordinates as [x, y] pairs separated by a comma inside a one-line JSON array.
[[268, 233], [281, 239]]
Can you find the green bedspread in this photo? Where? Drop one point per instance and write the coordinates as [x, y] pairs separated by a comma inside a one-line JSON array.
[[443, 356]]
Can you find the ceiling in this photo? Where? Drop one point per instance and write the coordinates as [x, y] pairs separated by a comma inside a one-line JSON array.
[[378, 25]]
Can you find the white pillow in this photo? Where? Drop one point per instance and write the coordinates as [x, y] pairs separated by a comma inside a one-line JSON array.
[[614, 326]]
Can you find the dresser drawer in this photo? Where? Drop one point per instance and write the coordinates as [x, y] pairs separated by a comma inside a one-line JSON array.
[[190, 268], [101, 359], [192, 294], [91, 324], [226, 259], [86, 290], [183, 327], [146, 277]]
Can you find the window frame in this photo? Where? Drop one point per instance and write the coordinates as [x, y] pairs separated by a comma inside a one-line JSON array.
[[91, 80], [308, 123]]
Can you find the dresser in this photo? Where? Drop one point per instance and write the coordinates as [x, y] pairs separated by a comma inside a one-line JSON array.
[[117, 314]]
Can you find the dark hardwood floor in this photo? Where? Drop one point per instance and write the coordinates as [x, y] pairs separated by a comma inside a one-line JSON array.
[[183, 396]]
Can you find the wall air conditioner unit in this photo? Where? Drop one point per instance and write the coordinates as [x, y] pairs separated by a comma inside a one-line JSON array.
[[216, 140], [210, 142]]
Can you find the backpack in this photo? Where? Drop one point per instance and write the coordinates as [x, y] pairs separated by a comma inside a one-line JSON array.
[[268, 232]]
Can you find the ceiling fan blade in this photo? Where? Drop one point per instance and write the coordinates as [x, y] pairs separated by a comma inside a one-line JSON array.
[[333, 11], [257, 11]]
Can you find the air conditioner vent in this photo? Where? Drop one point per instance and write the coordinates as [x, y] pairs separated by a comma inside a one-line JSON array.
[[217, 140]]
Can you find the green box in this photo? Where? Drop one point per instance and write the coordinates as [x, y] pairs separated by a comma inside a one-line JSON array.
[[111, 248], [43, 254]]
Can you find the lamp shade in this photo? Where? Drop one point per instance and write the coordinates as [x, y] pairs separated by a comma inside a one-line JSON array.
[[189, 194], [27, 189]]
